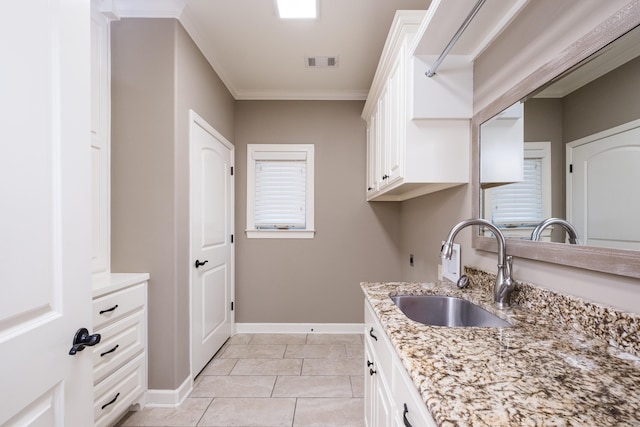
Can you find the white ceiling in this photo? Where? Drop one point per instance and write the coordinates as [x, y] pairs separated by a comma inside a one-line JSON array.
[[259, 56]]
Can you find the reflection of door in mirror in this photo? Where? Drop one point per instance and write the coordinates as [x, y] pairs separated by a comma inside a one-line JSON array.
[[602, 201], [518, 207]]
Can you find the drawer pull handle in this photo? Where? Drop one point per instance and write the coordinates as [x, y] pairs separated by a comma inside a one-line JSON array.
[[109, 351], [371, 334], [371, 372], [112, 401], [109, 309], [404, 416]]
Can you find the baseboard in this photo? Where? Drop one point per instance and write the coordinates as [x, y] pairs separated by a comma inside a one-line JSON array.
[[299, 328], [169, 398]]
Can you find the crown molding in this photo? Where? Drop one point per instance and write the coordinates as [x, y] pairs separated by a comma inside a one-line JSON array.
[[143, 8], [309, 95]]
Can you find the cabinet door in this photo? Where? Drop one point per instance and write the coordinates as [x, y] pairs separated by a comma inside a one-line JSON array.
[[373, 157], [369, 387], [394, 147], [384, 409], [382, 140]]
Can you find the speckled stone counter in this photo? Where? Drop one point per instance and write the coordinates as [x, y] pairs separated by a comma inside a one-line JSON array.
[[538, 372]]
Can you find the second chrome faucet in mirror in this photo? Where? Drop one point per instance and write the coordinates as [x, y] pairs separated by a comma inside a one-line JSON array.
[[504, 284], [572, 234]]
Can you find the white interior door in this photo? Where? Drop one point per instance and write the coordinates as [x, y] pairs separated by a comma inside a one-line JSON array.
[[45, 241], [602, 195], [211, 233]]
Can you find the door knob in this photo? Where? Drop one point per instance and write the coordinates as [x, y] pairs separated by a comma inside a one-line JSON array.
[[198, 263], [82, 339]]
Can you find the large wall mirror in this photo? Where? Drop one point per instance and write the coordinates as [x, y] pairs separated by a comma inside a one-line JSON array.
[[567, 147]]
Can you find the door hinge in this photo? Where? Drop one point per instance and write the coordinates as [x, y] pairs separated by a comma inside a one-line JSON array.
[[571, 168], [231, 305], [232, 238], [231, 170]]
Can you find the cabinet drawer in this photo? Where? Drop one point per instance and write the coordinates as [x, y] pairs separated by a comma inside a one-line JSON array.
[[114, 395], [377, 339], [111, 307], [120, 342], [406, 393]]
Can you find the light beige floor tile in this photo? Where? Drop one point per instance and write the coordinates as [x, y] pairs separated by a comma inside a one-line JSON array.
[[261, 351], [236, 339], [249, 412], [219, 367], [278, 339], [234, 386], [334, 339], [267, 367], [332, 367], [355, 351], [240, 339], [328, 412], [316, 351], [357, 385], [187, 414], [312, 386]]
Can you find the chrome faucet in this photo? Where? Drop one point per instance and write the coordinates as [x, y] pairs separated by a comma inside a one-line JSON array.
[[572, 234], [504, 285]]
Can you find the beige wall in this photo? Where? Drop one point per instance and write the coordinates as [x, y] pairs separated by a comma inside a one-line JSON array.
[[158, 74], [314, 280], [543, 122], [426, 221], [515, 55], [604, 103]]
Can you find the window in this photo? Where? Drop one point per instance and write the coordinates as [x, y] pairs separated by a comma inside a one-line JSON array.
[[280, 191], [518, 207]]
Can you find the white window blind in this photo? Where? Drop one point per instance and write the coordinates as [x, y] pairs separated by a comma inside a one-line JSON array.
[[280, 194], [280, 191], [521, 203]]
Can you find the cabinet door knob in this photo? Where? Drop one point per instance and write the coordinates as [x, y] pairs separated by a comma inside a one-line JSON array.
[[369, 363], [371, 372]]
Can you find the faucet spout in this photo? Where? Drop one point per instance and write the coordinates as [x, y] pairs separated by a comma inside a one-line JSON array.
[[504, 284], [572, 234]]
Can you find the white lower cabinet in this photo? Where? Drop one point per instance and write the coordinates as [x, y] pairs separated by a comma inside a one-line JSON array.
[[390, 397], [120, 358]]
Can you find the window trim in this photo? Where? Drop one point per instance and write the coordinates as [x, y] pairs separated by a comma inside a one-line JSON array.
[[279, 152]]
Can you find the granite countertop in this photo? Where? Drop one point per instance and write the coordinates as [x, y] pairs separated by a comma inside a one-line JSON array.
[[536, 372]]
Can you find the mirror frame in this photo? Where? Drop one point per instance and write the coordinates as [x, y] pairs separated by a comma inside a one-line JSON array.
[[613, 261]]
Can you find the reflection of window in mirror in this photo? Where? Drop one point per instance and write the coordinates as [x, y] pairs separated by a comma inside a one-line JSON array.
[[518, 207]]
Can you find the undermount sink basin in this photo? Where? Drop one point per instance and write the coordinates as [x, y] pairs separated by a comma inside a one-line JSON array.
[[439, 310]]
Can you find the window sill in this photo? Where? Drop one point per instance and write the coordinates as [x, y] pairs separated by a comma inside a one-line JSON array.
[[280, 234]]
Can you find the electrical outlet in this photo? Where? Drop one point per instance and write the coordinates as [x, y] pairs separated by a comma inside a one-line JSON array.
[[451, 267], [411, 260]]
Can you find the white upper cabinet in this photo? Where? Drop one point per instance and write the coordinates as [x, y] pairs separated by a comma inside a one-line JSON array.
[[418, 127]]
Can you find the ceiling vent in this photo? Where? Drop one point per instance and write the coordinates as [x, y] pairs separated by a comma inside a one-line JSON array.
[[321, 61]]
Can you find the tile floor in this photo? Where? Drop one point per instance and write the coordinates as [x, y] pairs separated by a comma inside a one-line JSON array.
[[272, 380]]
